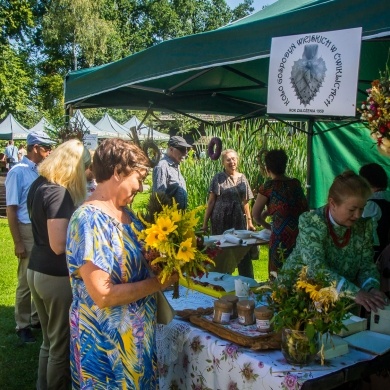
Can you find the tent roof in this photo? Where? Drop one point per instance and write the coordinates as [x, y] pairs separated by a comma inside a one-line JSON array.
[[80, 119], [225, 71], [10, 128], [42, 125], [144, 131], [108, 124]]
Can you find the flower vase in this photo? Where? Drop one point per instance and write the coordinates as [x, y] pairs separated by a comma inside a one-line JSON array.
[[298, 348]]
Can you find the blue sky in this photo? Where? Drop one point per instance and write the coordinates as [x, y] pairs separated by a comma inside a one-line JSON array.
[[257, 4]]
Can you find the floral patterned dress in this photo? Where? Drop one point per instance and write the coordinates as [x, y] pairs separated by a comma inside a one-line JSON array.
[[113, 347], [286, 202], [351, 266], [228, 210]]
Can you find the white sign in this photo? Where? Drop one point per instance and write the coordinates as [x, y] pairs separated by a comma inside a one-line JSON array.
[[91, 141], [314, 74]]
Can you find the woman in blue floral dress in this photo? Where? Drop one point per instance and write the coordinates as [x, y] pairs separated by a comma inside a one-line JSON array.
[[113, 311]]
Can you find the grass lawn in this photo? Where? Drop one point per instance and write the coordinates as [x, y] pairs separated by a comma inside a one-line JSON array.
[[18, 362]]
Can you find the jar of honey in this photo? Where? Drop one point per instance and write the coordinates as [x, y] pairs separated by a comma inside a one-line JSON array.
[[245, 310], [233, 299], [222, 311], [263, 316]]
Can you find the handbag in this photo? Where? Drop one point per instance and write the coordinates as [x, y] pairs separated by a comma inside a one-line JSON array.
[[165, 312]]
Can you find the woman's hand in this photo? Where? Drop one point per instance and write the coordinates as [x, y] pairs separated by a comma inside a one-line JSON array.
[[372, 300], [250, 225], [169, 281], [205, 227]]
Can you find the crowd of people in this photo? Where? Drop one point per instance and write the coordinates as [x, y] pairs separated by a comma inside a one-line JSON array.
[[82, 277]]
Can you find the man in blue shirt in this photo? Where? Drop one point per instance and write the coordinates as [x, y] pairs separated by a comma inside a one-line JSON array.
[[17, 185], [166, 174], [11, 154]]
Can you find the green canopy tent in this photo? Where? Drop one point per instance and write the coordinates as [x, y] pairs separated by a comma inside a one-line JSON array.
[[225, 71]]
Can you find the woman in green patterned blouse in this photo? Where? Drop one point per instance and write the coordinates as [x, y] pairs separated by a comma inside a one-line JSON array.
[[336, 238]]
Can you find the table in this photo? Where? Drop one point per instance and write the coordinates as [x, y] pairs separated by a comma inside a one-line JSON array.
[[231, 254], [191, 358]]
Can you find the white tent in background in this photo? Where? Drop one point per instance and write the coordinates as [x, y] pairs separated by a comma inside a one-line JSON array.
[[79, 119], [145, 132], [42, 125], [109, 124], [10, 128]]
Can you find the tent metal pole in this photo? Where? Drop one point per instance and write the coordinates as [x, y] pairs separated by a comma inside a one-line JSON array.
[[309, 157]]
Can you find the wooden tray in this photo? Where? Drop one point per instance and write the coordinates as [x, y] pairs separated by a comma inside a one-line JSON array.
[[267, 341], [200, 311]]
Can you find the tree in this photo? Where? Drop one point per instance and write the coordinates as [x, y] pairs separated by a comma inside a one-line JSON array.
[[15, 82], [15, 18]]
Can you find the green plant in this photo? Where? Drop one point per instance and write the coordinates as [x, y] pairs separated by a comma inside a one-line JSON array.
[[247, 139], [306, 303]]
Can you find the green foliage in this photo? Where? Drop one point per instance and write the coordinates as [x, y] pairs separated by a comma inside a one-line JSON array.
[[63, 35], [15, 81], [15, 18], [302, 302], [247, 139]]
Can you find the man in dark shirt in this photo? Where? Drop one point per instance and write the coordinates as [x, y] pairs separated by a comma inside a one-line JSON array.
[[166, 174]]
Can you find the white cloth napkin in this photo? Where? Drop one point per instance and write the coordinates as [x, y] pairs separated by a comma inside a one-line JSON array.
[[264, 234], [234, 239]]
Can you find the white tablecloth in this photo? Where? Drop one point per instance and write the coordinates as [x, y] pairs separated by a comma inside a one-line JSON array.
[[190, 358]]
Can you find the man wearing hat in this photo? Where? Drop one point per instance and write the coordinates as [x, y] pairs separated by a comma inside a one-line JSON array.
[[17, 184], [166, 174]]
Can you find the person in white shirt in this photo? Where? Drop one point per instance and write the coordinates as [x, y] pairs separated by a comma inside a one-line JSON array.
[[17, 185]]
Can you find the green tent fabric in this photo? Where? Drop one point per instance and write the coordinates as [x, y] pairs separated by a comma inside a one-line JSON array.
[[334, 151], [225, 71]]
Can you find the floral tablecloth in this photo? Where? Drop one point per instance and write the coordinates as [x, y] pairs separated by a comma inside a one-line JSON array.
[[191, 358]]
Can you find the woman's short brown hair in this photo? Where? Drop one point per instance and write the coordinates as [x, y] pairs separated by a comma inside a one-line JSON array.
[[349, 184], [115, 153]]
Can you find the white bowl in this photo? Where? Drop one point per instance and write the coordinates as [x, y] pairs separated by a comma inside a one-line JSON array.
[[243, 233]]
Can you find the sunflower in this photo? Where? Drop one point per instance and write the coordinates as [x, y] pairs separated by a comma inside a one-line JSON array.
[[186, 251], [165, 225]]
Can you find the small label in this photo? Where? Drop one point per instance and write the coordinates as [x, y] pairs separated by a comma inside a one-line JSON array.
[[225, 317], [262, 324]]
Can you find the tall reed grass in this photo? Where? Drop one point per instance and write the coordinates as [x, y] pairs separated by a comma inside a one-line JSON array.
[[247, 139]]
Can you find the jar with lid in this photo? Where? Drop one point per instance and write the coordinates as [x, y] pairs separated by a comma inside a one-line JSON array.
[[245, 310], [263, 316], [233, 299], [222, 311]]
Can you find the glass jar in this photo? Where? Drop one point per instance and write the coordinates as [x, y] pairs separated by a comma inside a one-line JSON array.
[[298, 348], [245, 311], [263, 315], [233, 299], [222, 311]]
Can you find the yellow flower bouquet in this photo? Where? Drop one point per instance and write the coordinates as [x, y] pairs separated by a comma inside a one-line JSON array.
[[171, 245], [308, 305]]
